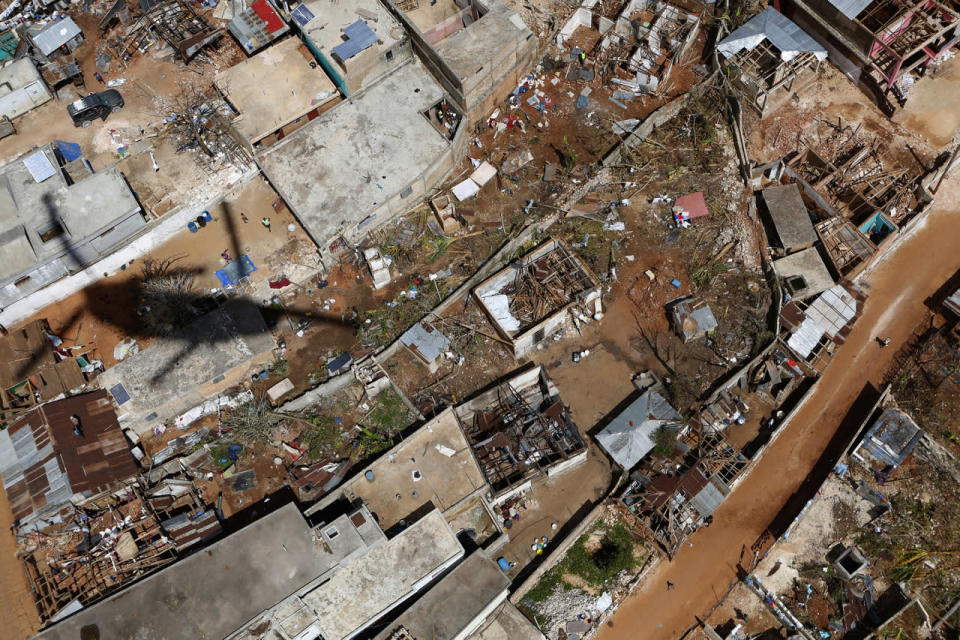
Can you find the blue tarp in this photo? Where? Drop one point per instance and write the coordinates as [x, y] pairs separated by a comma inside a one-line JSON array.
[[359, 37], [69, 151], [236, 271]]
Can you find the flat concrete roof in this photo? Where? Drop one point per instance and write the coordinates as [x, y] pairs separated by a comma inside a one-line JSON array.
[[789, 216], [325, 30], [173, 368], [210, 593], [28, 207], [338, 168], [19, 73], [439, 452], [467, 50], [361, 592], [267, 99], [455, 602], [809, 265], [507, 623]]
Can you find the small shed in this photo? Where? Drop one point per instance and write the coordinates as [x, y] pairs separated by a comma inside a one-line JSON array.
[[51, 37], [889, 440], [426, 342], [692, 318], [632, 434], [790, 217]]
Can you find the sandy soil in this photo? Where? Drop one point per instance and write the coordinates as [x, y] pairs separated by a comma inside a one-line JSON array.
[[105, 313], [20, 617], [702, 571], [931, 108]]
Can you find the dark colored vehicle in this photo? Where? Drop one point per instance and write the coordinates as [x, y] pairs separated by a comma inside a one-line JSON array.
[[95, 105]]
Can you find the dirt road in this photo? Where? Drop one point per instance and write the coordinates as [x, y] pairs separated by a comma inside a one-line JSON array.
[[704, 569]]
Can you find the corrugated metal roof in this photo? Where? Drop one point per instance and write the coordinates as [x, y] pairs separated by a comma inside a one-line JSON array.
[[56, 35], [630, 436], [43, 462], [426, 341], [359, 37], [850, 8], [707, 500], [778, 30], [834, 309], [953, 302]]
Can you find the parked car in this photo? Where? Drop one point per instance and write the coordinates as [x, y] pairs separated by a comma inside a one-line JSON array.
[[96, 105]]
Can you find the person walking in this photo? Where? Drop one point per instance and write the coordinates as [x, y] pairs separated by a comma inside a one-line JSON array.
[[670, 586], [266, 222], [96, 74], [884, 342], [244, 217]]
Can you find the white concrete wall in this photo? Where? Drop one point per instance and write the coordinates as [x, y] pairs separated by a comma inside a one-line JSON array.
[[21, 88]]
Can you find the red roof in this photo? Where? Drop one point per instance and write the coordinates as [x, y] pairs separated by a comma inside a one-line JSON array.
[[693, 204], [267, 13]]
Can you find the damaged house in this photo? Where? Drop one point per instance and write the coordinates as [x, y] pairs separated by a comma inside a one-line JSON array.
[[813, 330], [60, 453], [888, 441], [532, 298], [880, 43], [520, 430], [767, 56], [644, 43], [479, 50], [174, 375], [680, 482]]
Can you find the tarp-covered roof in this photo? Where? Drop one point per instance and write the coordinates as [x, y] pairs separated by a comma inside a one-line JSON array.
[[630, 436], [776, 28]]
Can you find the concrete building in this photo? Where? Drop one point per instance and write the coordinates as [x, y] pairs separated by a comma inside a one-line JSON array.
[[365, 161], [21, 88], [210, 594], [888, 441], [478, 49], [356, 43], [271, 104], [433, 465], [173, 375], [789, 216], [457, 606], [530, 300], [803, 274], [340, 604], [51, 227]]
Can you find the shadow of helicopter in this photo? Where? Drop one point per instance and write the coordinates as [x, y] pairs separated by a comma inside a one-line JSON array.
[[116, 304]]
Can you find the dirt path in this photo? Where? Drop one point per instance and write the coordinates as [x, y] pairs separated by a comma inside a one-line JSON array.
[[703, 570], [20, 617]]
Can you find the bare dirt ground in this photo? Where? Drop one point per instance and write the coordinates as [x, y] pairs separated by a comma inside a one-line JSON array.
[[105, 313], [898, 286], [20, 617], [931, 108]]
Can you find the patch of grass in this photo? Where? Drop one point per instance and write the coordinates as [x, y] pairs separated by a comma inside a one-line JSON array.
[[614, 554], [545, 586], [390, 414], [280, 367], [321, 436]]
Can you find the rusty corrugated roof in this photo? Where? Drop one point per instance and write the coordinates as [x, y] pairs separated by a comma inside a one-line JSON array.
[[43, 463]]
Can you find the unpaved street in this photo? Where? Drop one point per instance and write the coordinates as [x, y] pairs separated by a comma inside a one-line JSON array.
[[703, 570]]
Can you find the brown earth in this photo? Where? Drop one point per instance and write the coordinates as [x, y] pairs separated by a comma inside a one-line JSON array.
[[702, 571]]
